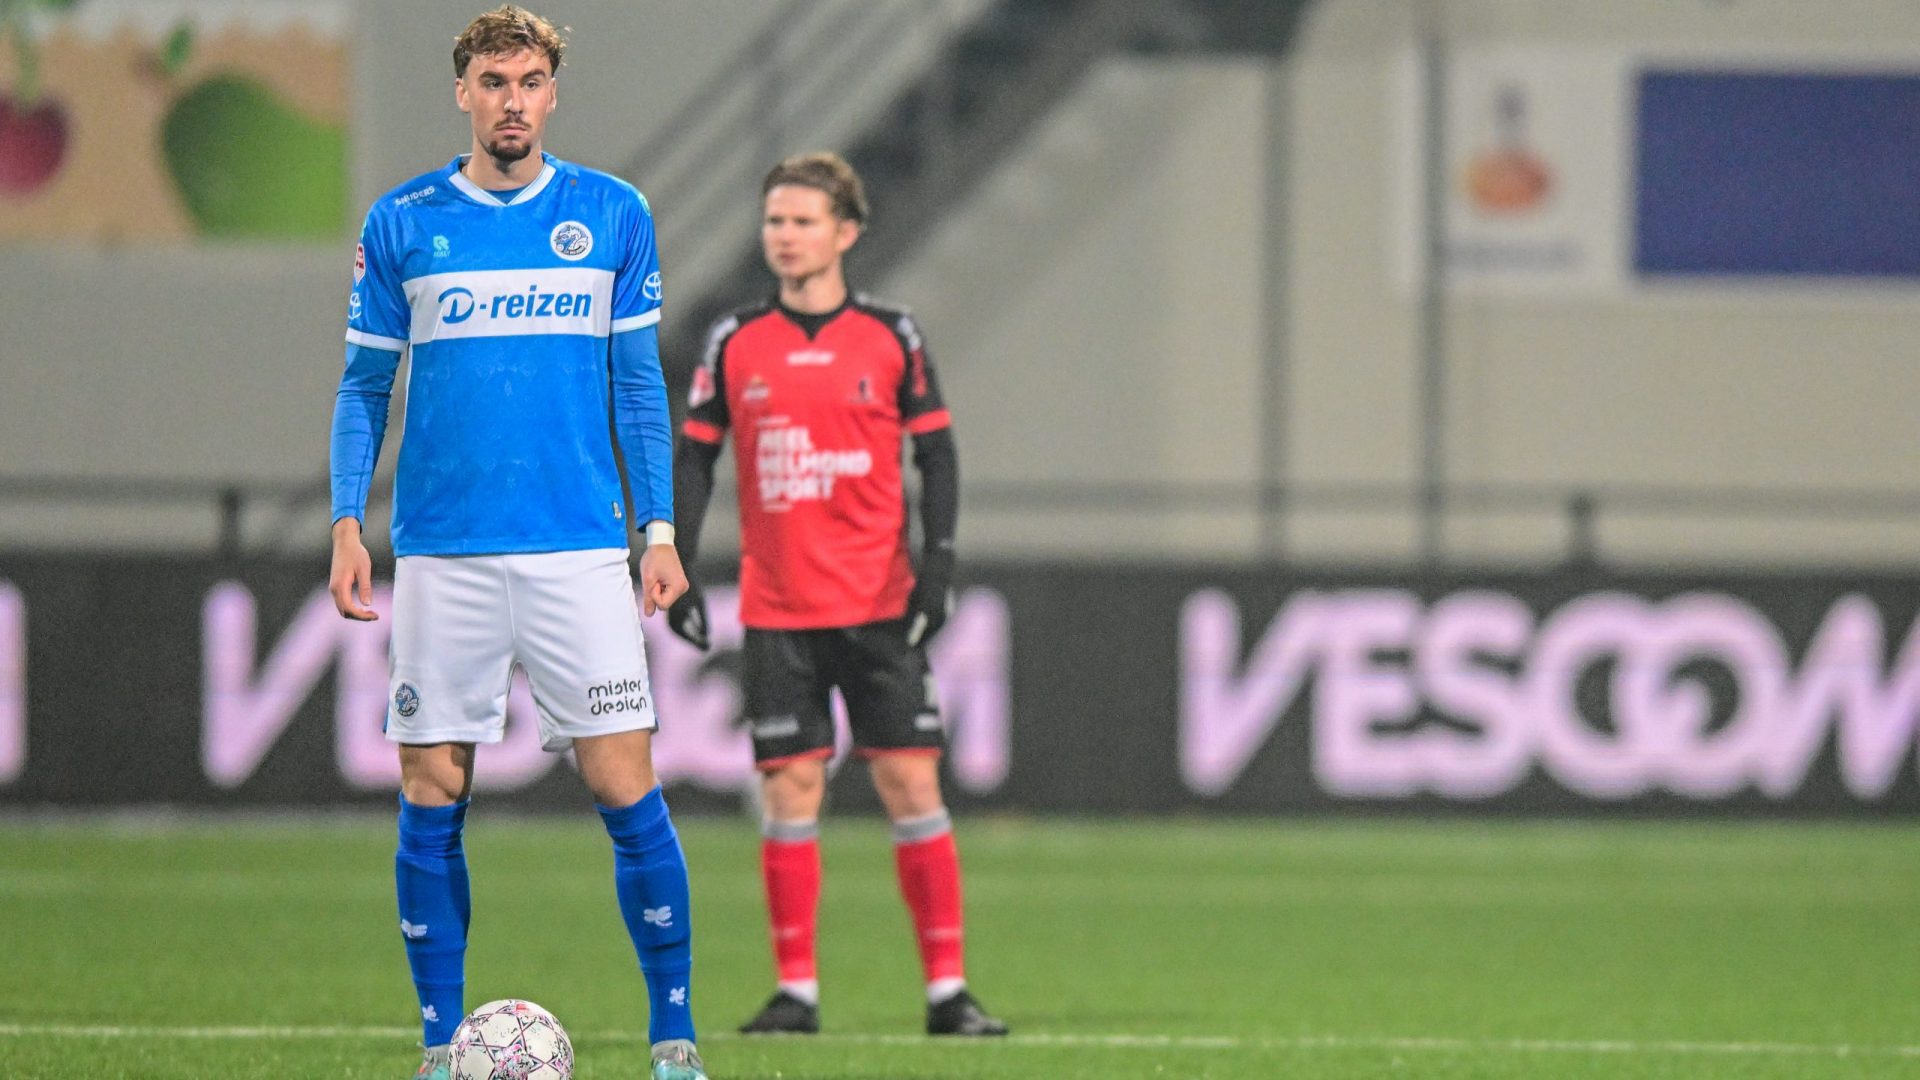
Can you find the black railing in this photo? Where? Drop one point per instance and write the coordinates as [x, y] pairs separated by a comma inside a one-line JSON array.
[[230, 504]]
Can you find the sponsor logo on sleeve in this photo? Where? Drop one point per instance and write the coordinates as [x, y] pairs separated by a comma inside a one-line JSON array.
[[919, 365], [651, 287], [359, 262], [703, 388], [353, 306], [571, 240]]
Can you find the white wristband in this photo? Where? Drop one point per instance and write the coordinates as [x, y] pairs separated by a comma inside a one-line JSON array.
[[659, 532]]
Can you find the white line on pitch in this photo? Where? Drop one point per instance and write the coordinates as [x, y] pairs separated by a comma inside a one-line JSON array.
[[1118, 1042], [112, 1031]]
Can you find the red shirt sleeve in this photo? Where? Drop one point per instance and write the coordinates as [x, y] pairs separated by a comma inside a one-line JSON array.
[[707, 417], [921, 407]]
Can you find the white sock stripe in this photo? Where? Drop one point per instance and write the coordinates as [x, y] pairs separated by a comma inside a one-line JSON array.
[[807, 990], [790, 832], [926, 827], [940, 990]]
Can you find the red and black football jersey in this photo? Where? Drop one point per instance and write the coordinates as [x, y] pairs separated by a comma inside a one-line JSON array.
[[818, 406]]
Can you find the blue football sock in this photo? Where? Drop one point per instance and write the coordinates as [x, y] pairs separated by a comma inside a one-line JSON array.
[[650, 875], [430, 875]]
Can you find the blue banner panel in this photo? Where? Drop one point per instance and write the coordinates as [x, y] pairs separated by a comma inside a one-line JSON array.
[[1752, 173]]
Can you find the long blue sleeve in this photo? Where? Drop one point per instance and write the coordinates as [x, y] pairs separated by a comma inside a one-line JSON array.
[[642, 423], [359, 425]]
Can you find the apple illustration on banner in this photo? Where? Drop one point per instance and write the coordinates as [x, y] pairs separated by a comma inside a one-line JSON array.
[[33, 144], [248, 164], [33, 129]]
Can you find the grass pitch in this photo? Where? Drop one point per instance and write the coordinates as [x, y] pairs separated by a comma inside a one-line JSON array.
[[212, 949]]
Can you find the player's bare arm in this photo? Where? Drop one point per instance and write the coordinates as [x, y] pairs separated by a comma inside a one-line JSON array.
[[351, 581]]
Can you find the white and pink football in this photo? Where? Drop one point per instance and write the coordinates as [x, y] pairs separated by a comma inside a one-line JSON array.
[[511, 1039]]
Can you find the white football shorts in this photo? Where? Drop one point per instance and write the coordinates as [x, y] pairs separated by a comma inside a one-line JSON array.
[[462, 623]]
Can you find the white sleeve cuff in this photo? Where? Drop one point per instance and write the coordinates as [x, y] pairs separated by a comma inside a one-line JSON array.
[[635, 322], [375, 341], [659, 532]]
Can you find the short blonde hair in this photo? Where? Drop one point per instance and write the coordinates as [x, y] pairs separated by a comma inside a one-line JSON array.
[[504, 31], [828, 172]]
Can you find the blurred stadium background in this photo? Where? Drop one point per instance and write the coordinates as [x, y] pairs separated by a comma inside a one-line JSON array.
[[1489, 418]]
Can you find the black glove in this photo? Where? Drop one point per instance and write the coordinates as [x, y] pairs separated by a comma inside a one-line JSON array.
[[687, 618], [932, 598]]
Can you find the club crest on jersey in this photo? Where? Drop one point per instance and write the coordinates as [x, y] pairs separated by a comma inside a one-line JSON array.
[[359, 262], [406, 700], [441, 247], [651, 287], [571, 241]]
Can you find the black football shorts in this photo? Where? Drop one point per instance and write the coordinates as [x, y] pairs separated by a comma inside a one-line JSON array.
[[886, 683]]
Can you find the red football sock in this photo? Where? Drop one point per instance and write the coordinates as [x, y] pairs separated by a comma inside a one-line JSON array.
[[930, 881], [791, 870]]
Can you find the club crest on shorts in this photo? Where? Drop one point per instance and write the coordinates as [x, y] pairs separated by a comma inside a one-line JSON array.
[[406, 700], [571, 240]]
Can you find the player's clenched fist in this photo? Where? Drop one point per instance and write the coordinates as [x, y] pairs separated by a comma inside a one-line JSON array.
[[662, 580], [351, 581]]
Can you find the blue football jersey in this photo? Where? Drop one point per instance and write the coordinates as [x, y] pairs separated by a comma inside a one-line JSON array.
[[506, 311]]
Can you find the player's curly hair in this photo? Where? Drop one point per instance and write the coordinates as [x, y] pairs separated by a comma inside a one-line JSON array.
[[828, 172], [504, 31]]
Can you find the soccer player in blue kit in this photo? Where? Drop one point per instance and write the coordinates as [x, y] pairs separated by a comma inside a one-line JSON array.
[[526, 292]]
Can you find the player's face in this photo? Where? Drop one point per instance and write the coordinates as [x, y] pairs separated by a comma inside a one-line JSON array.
[[509, 98], [800, 235]]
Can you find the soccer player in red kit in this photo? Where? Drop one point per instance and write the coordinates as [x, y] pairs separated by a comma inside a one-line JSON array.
[[820, 387]]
